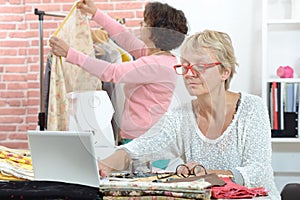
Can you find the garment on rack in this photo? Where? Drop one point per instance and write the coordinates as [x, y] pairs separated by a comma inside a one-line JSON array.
[[107, 52], [116, 90], [98, 36], [106, 49], [66, 77], [47, 85]]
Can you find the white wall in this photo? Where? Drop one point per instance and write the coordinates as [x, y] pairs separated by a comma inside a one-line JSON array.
[[242, 21]]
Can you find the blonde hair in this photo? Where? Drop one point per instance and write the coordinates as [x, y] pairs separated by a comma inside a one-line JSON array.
[[219, 44]]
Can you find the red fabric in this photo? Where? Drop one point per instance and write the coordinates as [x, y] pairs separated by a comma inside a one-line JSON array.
[[234, 191]]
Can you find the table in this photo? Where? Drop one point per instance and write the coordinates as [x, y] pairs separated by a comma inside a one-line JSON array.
[[51, 190]]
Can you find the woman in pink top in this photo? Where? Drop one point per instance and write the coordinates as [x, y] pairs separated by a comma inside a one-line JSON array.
[[150, 79]]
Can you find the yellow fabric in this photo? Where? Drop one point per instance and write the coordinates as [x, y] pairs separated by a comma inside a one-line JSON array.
[[18, 164], [8, 177], [66, 77], [15, 157], [15, 164], [100, 36], [125, 57]]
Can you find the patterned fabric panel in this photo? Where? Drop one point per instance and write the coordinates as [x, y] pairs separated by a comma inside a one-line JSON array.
[[66, 77]]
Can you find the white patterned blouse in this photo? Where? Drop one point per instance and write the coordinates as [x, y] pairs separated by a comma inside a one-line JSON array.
[[245, 146]]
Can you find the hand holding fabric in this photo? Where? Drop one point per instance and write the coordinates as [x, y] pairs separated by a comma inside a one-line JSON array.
[[59, 47], [87, 6]]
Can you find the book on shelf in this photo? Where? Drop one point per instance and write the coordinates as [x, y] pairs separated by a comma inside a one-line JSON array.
[[280, 111], [281, 105], [296, 98], [290, 97], [275, 105], [270, 103]]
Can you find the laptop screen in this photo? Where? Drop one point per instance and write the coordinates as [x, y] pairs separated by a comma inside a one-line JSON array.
[[65, 156]]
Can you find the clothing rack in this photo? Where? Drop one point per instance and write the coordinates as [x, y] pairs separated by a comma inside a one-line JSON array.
[[41, 14], [42, 115]]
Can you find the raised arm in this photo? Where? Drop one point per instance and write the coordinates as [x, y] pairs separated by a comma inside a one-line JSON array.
[[119, 33], [143, 70]]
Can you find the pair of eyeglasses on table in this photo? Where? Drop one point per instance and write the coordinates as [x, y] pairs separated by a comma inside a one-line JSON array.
[[183, 171]]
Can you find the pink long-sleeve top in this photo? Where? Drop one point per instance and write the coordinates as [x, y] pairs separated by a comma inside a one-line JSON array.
[[149, 81]]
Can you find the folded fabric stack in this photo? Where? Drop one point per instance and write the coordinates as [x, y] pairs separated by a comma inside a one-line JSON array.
[[152, 190], [15, 165]]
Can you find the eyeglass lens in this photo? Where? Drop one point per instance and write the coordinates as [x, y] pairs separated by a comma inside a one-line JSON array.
[[181, 69], [197, 169]]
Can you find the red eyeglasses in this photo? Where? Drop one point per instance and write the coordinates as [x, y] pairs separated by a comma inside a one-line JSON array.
[[196, 68]]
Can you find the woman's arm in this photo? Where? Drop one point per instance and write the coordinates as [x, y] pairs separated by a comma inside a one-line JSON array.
[[148, 69], [119, 33], [160, 142], [163, 141], [256, 163], [143, 70]]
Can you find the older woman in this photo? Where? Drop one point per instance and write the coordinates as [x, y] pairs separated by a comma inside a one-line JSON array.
[[149, 80], [227, 132]]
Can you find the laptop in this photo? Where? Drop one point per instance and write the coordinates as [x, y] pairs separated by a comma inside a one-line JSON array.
[[65, 156]]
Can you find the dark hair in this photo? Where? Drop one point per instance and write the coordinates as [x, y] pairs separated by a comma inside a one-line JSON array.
[[170, 25]]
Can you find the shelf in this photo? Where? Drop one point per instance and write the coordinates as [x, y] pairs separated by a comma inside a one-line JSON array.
[[284, 80], [285, 140], [283, 26], [283, 21], [280, 47]]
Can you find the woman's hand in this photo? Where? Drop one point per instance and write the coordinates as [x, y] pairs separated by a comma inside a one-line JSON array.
[[87, 6], [118, 161], [59, 47], [104, 170]]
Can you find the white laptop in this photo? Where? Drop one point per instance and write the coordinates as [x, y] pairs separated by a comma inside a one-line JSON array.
[[66, 156]]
